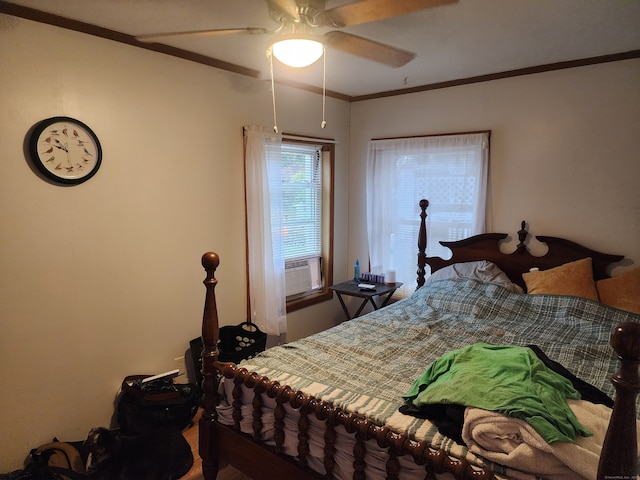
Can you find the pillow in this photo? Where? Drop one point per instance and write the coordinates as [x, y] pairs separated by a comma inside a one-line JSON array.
[[481, 271], [621, 292], [573, 278]]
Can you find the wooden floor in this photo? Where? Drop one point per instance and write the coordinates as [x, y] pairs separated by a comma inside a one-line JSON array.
[[227, 473]]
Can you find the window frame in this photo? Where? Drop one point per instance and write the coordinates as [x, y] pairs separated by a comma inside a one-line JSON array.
[[326, 264]]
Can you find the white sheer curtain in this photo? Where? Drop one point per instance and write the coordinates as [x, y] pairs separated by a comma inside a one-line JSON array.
[[448, 170], [264, 229]]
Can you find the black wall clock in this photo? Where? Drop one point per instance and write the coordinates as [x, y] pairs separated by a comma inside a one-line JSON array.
[[65, 150]]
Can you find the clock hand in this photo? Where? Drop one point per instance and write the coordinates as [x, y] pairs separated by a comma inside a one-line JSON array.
[[66, 149], [58, 144]]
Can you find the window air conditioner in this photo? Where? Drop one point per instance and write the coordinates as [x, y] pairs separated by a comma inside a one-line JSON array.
[[297, 277]]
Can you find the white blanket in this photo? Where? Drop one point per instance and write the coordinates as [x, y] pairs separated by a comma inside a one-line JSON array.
[[514, 443]]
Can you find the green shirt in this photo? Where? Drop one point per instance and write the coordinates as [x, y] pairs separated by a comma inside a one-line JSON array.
[[509, 380]]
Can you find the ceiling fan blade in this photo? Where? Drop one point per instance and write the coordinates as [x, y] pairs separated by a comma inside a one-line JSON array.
[[362, 47], [366, 11], [290, 7], [152, 37]]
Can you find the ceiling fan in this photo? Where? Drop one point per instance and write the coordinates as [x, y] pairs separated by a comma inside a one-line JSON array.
[[301, 18]]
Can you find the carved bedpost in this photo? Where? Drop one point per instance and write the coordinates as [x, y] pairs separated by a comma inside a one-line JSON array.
[[208, 438], [422, 242], [618, 460]]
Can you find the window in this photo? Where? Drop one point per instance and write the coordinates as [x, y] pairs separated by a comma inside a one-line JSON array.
[[289, 196], [307, 215], [448, 170], [301, 178]]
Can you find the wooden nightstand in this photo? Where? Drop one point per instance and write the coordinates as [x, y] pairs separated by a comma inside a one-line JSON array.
[[351, 289]]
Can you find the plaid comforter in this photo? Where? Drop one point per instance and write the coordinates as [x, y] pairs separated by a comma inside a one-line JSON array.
[[365, 365]]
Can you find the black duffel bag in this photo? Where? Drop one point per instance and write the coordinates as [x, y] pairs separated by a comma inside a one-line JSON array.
[[158, 403]]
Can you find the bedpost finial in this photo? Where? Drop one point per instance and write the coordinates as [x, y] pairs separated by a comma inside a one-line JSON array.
[[424, 203], [522, 236], [210, 261], [624, 340]]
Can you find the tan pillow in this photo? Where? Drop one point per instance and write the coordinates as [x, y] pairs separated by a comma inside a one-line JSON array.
[[573, 278], [621, 292]]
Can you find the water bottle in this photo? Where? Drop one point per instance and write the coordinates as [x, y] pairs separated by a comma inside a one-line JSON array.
[[356, 271]]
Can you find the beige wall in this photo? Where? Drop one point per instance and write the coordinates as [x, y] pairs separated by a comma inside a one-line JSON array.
[[564, 152], [103, 279]]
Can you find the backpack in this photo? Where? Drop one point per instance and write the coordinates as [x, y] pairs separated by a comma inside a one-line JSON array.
[[159, 403], [52, 461]]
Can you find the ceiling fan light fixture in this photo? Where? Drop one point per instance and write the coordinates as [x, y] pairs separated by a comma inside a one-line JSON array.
[[297, 50]]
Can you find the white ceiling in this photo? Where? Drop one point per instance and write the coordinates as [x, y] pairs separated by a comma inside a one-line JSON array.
[[462, 40]]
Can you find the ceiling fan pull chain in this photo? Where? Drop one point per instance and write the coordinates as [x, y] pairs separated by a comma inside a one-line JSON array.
[[273, 93], [324, 84]]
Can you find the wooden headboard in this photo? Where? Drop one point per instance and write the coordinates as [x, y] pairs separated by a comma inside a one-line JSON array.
[[486, 246]]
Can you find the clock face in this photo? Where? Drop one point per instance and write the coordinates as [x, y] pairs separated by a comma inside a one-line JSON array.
[[65, 150]]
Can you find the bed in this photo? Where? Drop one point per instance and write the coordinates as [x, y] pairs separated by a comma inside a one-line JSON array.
[[309, 410]]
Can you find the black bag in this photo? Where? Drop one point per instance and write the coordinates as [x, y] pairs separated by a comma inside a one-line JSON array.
[[159, 403]]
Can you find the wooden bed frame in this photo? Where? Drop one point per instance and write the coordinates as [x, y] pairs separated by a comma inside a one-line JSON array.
[[221, 444]]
